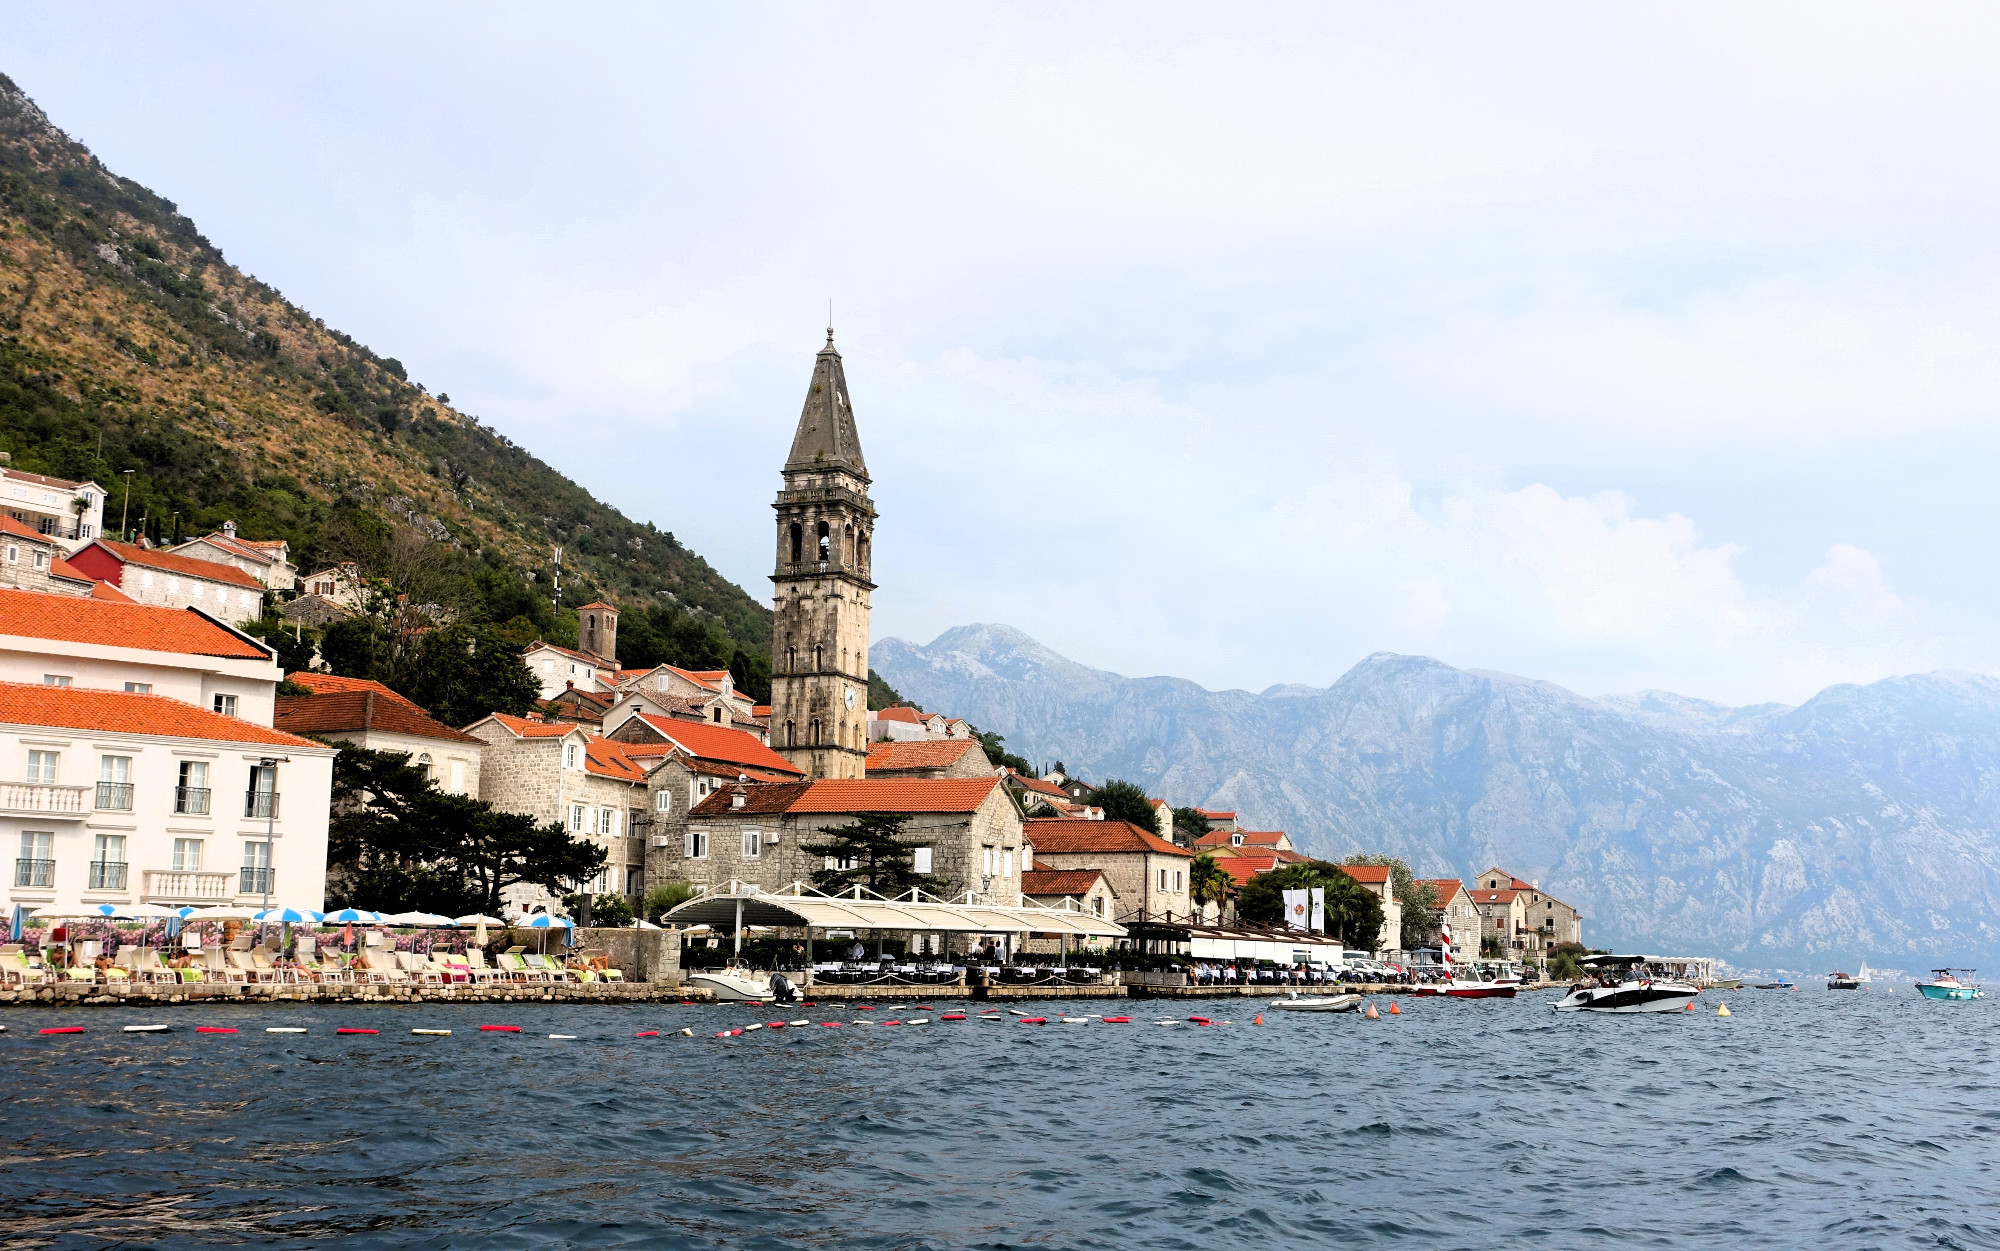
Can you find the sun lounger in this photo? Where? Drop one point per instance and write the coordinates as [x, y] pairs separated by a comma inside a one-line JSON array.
[[548, 969], [515, 966], [420, 970]]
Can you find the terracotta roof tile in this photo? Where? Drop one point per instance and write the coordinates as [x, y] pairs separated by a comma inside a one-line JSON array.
[[832, 795], [18, 475], [1041, 787], [349, 704], [593, 661], [74, 619], [610, 759], [21, 530], [888, 755], [1064, 836], [123, 712], [902, 712], [1367, 874], [1494, 896], [1219, 816], [1243, 868], [1446, 888], [239, 547], [1059, 881], [719, 742], [597, 603], [1251, 838], [174, 562], [532, 729]]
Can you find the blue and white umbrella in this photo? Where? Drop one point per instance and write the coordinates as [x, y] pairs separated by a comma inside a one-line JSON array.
[[15, 926], [287, 916], [352, 916], [543, 921]]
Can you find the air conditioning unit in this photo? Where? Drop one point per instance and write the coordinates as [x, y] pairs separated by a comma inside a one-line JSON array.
[[770, 838], [662, 840]]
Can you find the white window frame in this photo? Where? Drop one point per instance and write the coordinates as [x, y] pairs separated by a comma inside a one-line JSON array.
[[663, 800], [570, 755], [753, 843], [920, 859], [138, 688], [576, 820], [44, 767], [224, 705], [58, 679], [184, 862], [695, 844]]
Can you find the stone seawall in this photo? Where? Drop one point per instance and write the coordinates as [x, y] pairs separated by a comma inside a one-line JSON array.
[[69, 995]]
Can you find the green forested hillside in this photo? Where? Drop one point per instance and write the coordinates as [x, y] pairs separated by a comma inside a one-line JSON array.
[[128, 342]]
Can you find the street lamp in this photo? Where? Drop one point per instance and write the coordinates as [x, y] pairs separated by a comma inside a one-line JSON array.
[[269, 766], [125, 509]]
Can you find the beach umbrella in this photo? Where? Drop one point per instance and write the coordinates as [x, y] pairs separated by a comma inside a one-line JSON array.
[[481, 920], [543, 922], [14, 926], [425, 919], [287, 916], [224, 913], [91, 910], [352, 916]]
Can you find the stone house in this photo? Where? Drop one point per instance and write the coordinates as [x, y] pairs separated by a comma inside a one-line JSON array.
[[33, 561], [72, 513], [963, 830], [1221, 841], [941, 758], [371, 716], [1376, 878], [1220, 821], [687, 761], [558, 668], [1522, 918], [1040, 796], [1147, 874], [170, 580], [1086, 890], [340, 584], [683, 695], [904, 724], [1461, 915], [557, 772], [267, 560]]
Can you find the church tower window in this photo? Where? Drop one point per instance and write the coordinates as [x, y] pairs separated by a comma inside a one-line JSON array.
[[798, 541]]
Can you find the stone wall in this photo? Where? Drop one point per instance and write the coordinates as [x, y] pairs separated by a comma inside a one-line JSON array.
[[641, 955]]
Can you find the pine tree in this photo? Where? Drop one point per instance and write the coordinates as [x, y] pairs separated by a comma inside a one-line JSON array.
[[876, 856]]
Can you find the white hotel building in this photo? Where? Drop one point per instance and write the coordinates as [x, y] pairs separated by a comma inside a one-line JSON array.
[[138, 763]]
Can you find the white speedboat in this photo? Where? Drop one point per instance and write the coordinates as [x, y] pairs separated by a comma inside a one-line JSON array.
[[1317, 1003], [1624, 985], [735, 982]]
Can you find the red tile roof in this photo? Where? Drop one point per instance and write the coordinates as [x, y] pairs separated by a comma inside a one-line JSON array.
[[1219, 816], [74, 619], [1243, 868], [593, 661], [719, 742], [1047, 882], [836, 795], [349, 704], [597, 603], [760, 710], [1446, 888], [122, 712], [174, 562], [525, 728], [1367, 874], [1494, 896], [903, 712], [24, 531], [1251, 838], [888, 755], [23, 476], [610, 759], [1040, 787], [241, 547], [99, 590], [1064, 836]]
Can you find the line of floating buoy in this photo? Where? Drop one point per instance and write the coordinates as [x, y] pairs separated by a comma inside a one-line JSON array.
[[564, 1037], [500, 1029], [72, 1029]]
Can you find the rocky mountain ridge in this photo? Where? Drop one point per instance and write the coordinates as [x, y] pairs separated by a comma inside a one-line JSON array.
[[1862, 822]]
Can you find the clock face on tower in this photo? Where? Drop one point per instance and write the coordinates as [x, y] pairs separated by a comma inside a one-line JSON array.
[[850, 698]]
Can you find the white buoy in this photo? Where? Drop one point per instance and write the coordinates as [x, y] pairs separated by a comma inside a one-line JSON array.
[[434, 1033], [1722, 1009], [566, 1037], [148, 1029], [688, 1033], [799, 1022], [748, 1028], [284, 1029]]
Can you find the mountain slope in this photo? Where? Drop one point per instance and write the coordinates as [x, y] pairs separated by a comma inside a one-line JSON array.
[[127, 341], [1862, 822]]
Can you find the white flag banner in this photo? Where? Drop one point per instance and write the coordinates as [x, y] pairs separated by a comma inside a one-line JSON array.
[[1295, 909], [1319, 909]]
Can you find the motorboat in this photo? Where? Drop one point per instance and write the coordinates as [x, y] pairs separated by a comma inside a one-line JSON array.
[[1842, 981], [735, 982], [1948, 984], [1727, 983], [1626, 986], [1780, 984], [1466, 988], [1296, 1002]]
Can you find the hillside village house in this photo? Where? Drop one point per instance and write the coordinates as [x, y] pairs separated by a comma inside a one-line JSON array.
[[1456, 909], [72, 513], [1147, 874], [1084, 890], [558, 667], [340, 584], [1520, 919], [687, 761], [680, 694], [904, 724], [171, 580], [371, 716], [145, 768], [1376, 878], [267, 560], [558, 772], [33, 561]]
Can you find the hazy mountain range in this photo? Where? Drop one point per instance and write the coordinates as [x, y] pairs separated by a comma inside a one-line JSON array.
[[1861, 823]]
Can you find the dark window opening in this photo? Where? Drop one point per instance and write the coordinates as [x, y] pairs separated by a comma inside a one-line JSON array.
[[798, 542]]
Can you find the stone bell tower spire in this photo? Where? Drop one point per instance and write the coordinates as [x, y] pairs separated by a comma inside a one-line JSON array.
[[826, 539]]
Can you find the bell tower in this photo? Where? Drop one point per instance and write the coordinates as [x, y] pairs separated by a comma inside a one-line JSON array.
[[826, 538]]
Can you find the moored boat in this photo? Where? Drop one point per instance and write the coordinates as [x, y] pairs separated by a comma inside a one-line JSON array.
[[1625, 986], [1842, 981], [1296, 1002], [735, 982], [1947, 984]]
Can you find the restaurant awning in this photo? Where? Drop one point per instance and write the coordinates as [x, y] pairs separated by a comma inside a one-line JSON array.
[[801, 905]]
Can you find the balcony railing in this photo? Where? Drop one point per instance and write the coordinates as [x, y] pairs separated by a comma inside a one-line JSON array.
[[186, 886], [260, 803], [191, 801], [35, 873], [43, 797], [107, 875], [114, 797], [257, 881]]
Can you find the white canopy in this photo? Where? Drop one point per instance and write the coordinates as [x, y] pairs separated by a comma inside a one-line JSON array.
[[801, 905]]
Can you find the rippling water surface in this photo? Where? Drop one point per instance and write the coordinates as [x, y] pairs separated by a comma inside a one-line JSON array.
[[1806, 1118]]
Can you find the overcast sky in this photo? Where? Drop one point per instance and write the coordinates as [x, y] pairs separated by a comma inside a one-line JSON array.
[[1623, 348]]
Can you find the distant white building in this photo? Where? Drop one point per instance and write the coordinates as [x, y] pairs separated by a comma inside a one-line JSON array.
[[70, 512]]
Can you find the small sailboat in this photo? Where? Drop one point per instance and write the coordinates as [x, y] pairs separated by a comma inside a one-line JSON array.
[[1866, 975], [1948, 984]]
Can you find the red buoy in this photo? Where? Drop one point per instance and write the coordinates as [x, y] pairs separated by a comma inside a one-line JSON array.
[[888, 1022], [952, 1016], [1117, 1020], [647, 1033], [1034, 1020], [829, 1024], [348, 1031], [78, 1029], [207, 1029], [1199, 1020], [774, 1025], [501, 1029]]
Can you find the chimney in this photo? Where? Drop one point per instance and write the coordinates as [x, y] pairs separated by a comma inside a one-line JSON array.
[[738, 794], [533, 716], [228, 529]]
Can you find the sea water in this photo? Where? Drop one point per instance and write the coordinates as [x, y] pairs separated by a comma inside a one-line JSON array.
[[1807, 1118]]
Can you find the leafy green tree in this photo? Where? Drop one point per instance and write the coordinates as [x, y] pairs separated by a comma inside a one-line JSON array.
[[1124, 801], [664, 898], [999, 755], [395, 842], [353, 647], [1189, 825], [462, 673], [1419, 899], [295, 645], [875, 855], [611, 911], [1208, 882], [1353, 912], [880, 694]]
